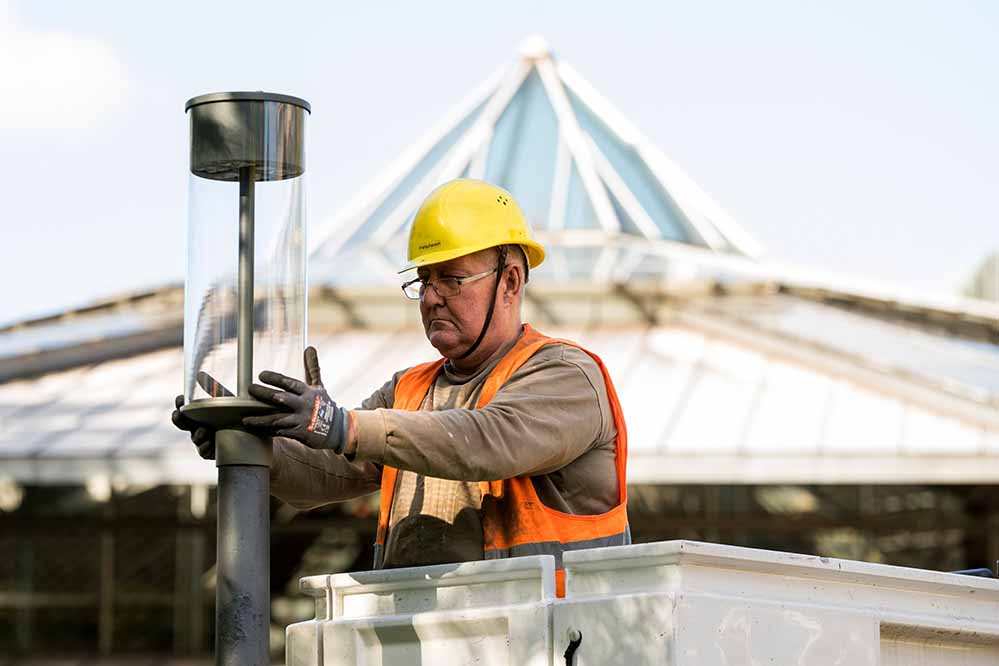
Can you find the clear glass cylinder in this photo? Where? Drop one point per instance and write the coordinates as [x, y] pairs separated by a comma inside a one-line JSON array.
[[246, 202]]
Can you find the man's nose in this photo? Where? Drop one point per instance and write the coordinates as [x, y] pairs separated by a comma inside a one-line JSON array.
[[430, 297]]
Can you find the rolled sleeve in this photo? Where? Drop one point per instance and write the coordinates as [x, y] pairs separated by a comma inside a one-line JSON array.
[[372, 434]]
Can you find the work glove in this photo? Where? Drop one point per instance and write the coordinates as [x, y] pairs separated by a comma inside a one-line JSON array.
[[308, 414], [203, 436]]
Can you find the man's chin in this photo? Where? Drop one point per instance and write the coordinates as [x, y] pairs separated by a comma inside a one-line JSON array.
[[446, 343]]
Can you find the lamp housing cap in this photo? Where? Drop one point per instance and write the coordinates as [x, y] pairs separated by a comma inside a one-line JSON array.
[[247, 132]]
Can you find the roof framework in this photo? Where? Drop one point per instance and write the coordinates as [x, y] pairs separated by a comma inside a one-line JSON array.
[[714, 389], [606, 203]]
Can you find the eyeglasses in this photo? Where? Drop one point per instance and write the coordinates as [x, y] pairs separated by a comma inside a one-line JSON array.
[[445, 286]]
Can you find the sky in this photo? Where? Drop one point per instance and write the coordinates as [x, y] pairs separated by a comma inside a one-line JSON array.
[[851, 137]]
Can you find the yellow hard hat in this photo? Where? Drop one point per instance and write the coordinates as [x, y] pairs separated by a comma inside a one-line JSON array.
[[464, 216]]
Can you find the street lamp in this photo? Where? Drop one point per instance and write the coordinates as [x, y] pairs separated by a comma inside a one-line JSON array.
[[244, 309]]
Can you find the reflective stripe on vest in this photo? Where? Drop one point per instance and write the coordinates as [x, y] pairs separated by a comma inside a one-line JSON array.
[[556, 548], [515, 522]]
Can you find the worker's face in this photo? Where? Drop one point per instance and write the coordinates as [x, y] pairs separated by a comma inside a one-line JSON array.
[[452, 324]]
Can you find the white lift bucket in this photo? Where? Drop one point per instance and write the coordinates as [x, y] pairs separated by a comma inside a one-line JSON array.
[[678, 603]]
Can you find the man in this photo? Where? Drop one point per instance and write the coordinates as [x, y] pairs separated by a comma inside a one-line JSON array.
[[511, 444]]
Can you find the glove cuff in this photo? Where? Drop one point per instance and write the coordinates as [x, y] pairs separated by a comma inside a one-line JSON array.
[[337, 439]]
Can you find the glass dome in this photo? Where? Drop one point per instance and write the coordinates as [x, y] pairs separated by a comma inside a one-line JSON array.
[[245, 293]]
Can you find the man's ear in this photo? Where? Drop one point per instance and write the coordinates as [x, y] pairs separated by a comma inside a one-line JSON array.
[[513, 281]]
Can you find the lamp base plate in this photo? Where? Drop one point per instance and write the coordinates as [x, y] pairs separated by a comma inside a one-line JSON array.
[[225, 412]]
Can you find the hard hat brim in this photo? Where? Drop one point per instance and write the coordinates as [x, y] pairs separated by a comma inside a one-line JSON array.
[[535, 254]]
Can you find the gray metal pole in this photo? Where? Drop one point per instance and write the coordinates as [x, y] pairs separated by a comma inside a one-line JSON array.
[[243, 589], [244, 371]]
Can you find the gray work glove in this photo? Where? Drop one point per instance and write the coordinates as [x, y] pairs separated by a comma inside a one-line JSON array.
[[308, 414], [203, 436]]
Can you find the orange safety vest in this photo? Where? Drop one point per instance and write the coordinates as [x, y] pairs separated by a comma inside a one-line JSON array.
[[515, 522]]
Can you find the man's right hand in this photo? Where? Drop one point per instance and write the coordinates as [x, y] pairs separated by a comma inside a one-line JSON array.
[[202, 436]]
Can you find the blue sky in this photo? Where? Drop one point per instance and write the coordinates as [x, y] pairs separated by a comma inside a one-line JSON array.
[[853, 137]]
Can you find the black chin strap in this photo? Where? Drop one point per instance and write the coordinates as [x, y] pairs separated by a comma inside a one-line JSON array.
[[492, 305]]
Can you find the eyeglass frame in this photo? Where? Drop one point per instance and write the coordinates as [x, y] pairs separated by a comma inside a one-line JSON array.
[[459, 282]]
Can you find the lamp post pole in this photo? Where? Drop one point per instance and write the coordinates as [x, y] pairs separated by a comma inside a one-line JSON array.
[[241, 137], [243, 591], [244, 372]]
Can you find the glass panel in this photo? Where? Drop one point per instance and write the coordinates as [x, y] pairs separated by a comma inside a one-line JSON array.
[[415, 175], [579, 213], [522, 153], [628, 225], [789, 410], [932, 434], [669, 357], [978, 345], [724, 375], [620, 349], [920, 352], [581, 260], [637, 175], [862, 421]]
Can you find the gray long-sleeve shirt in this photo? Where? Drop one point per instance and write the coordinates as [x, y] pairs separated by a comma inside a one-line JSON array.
[[550, 420]]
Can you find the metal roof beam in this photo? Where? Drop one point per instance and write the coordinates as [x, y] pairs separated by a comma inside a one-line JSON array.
[[560, 185], [569, 129], [89, 353]]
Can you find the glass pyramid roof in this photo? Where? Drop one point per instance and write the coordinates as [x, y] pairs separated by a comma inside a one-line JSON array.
[[606, 204]]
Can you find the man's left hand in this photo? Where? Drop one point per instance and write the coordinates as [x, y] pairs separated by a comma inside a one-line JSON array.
[[308, 414]]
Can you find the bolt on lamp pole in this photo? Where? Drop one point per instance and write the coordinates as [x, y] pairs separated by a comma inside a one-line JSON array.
[[245, 138]]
